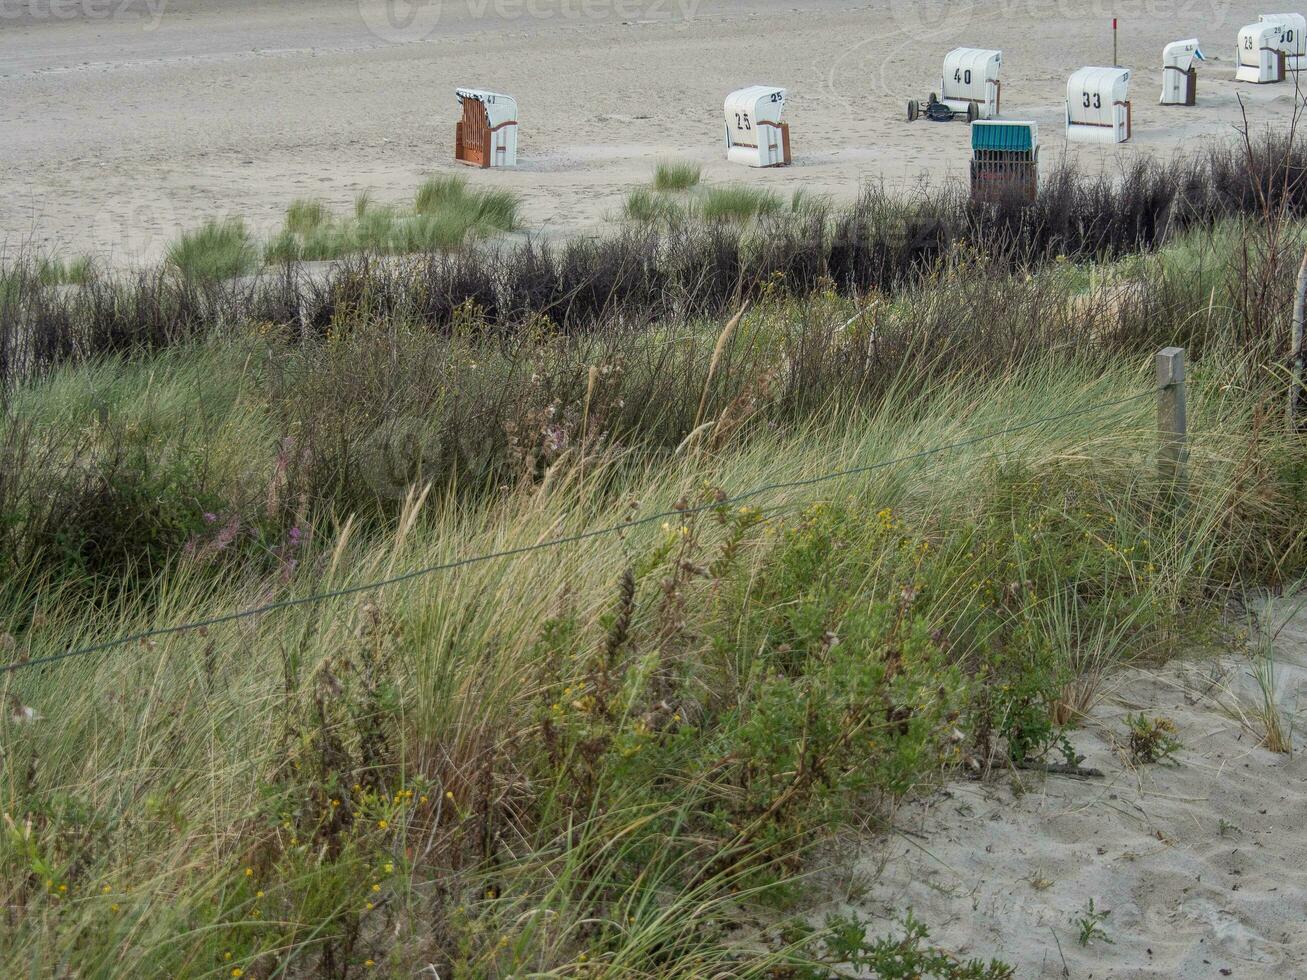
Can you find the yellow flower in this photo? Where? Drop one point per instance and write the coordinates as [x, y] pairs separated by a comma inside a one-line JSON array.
[[249, 872], [369, 906], [335, 803], [113, 907], [369, 964], [449, 795], [259, 893], [422, 799], [227, 955], [105, 890], [63, 888], [389, 868], [376, 887], [236, 971], [383, 824]]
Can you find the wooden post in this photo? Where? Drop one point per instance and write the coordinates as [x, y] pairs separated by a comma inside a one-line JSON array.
[[1296, 347], [1171, 420]]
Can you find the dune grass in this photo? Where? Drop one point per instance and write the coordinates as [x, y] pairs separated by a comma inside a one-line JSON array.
[[739, 203], [604, 754], [647, 207], [446, 213], [55, 271], [218, 249], [683, 269], [666, 203], [676, 175], [618, 756], [731, 203]]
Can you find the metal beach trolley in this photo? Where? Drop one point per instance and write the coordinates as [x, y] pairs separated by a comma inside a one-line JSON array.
[[1098, 105], [1261, 59], [1292, 39], [1179, 74], [755, 134], [1004, 160], [486, 136]]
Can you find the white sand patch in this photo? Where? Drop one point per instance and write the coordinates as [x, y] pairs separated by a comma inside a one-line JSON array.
[[1202, 865]]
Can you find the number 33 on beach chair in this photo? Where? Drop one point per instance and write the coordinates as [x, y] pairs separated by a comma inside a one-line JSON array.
[[1098, 106]]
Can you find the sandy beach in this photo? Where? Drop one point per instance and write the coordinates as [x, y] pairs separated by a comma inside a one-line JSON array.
[[124, 121]]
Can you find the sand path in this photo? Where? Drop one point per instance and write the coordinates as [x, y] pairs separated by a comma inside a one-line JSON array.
[[1202, 865]]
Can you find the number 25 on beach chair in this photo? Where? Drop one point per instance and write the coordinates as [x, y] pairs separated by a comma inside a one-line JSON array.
[[755, 135]]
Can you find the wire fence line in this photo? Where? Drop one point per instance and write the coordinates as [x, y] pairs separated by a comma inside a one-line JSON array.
[[557, 542]]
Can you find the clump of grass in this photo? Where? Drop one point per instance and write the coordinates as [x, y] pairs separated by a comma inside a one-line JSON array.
[[439, 193], [1276, 734], [446, 212], [305, 216], [284, 247], [452, 200], [803, 202], [739, 203], [217, 250], [676, 175], [53, 271], [651, 207]]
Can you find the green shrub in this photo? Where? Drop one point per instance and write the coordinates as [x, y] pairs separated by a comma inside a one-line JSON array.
[[843, 944]]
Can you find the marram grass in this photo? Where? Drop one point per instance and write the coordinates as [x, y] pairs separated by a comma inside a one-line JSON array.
[[593, 759]]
